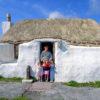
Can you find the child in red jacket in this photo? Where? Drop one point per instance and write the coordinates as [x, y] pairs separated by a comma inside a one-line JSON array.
[[46, 69]]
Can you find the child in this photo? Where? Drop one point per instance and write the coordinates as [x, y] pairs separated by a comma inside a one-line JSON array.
[[40, 72], [46, 69], [52, 71]]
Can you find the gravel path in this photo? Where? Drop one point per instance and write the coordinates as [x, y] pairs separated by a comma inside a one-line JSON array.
[[48, 91]]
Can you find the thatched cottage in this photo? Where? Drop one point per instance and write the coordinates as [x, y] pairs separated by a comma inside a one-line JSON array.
[[74, 43]]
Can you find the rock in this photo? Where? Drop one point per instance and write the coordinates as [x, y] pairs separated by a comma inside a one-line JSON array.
[[27, 81]]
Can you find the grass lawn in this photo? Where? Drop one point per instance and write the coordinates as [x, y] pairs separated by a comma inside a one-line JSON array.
[[14, 79], [16, 98], [95, 84]]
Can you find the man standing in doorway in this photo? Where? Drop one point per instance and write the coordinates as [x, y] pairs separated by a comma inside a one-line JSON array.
[[46, 54]]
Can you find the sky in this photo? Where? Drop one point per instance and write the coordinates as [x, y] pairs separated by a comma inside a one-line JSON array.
[[42, 9]]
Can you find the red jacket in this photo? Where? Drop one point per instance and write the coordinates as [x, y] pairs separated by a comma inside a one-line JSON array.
[[46, 64]]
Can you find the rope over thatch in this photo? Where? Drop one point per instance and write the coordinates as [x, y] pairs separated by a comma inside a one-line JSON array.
[[76, 31]]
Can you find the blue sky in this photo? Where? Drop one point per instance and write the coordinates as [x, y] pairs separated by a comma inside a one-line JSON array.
[[37, 9]]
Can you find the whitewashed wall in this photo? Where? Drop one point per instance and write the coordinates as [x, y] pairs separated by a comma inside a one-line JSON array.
[[77, 63], [6, 52], [6, 26], [29, 54]]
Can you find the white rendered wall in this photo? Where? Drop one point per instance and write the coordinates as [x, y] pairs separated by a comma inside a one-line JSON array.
[[6, 52], [29, 54], [78, 63]]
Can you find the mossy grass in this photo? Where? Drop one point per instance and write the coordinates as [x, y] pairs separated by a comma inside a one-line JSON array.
[[20, 98], [3, 98], [15, 98], [14, 79], [95, 84]]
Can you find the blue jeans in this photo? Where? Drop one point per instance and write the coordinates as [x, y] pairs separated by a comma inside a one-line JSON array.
[[52, 74]]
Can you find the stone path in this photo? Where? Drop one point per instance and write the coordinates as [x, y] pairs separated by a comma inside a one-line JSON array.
[[10, 90], [48, 91], [39, 86]]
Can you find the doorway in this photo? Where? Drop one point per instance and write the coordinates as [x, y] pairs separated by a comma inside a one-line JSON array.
[[51, 48]]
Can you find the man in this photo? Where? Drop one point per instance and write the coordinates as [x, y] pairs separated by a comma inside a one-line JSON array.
[[46, 54]]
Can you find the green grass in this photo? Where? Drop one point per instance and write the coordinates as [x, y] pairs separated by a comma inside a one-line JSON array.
[[95, 84], [3, 98], [20, 98], [14, 79], [16, 98]]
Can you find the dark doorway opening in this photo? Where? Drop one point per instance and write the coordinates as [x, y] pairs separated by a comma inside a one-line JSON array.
[[49, 44], [16, 47]]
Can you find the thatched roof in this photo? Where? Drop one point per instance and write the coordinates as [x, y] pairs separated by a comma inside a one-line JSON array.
[[72, 30]]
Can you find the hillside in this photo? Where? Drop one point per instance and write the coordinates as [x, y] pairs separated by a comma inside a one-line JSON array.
[[76, 31]]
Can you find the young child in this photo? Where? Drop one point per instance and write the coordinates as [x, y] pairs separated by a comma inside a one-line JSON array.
[[40, 72], [52, 72], [46, 69]]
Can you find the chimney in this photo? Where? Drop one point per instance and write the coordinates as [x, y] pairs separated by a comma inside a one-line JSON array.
[[8, 17], [6, 25]]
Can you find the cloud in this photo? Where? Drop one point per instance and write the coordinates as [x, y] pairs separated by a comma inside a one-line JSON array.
[[59, 15], [94, 6], [55, 15]]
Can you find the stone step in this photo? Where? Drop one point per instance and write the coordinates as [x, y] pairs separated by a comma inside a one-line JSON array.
[[39, 86], [27, 81]]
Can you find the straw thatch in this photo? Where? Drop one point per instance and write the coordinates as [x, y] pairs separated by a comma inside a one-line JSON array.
[[72, 30]]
